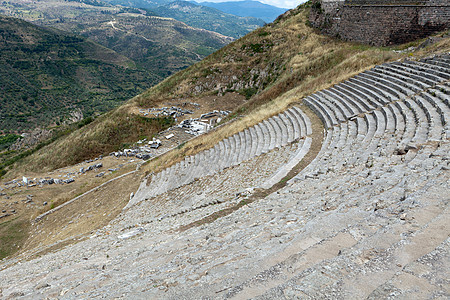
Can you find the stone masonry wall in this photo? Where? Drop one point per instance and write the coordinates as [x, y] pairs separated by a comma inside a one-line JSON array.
[[381, 23]]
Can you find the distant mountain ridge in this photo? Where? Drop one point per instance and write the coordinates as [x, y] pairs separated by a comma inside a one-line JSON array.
[[209, 18], [256, 9], [196, 15]]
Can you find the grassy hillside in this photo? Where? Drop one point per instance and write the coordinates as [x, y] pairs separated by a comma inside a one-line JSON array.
[[47, 76], [273, 67]]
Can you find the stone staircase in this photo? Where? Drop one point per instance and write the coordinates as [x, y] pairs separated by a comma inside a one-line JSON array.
[[367, 218]]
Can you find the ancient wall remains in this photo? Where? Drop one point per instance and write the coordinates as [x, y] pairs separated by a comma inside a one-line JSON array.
[[378, 22]]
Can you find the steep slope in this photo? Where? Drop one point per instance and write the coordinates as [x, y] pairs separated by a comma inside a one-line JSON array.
[[256, 9], [209, 18], [48, 77]]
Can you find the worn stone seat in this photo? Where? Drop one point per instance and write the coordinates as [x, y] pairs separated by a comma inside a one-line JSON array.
[[333, 109], [346, 89], [322, 111], [410, 75], [287, 123], [436, 70], [343, 109], [418, 72], [410, 86], [343, 98]]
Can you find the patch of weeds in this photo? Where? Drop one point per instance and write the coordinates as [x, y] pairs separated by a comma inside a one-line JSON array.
[[248, 92], [264, 33]]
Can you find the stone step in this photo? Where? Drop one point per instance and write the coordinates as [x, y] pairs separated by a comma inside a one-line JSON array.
[[384, 94], [429, 68], [368, 93], [421, 134], [442, 93], [380, 131], [245, 145], [421, 72], [343, 136], [276, 124], [294, 119], [411, 85], [303, 148], [401, 89], [343, 109], [333, 108], [380, 85], [407, 76], [237, 150], [350, 109], [361, 124], [381, 120], [266, 137], [410, 124], [251, 134], [433, 118], [442, 109], [284, 129], [348, 101], [226, 152], [345, 88], [371, 129], [261, 139], [233, 151], [220, 154], [212, 156], [277, 132], [271, 135], [246, 137], [399, 119], [304, 121], [218, 150], [322, 111], [289, 127], [390, 120], [438, 62]]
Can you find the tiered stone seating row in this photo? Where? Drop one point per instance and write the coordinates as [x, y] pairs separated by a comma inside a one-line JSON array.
[[418, 115], [367, 219], [275, 132]]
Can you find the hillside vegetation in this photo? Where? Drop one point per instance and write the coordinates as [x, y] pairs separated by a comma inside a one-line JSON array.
[[158, 44], [49, 77], [273, 66]]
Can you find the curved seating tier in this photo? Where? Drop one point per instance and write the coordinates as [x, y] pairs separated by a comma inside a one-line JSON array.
[[272, 133], [366, 219]]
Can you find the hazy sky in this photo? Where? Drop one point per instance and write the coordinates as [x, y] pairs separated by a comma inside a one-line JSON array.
[[279, 3]]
